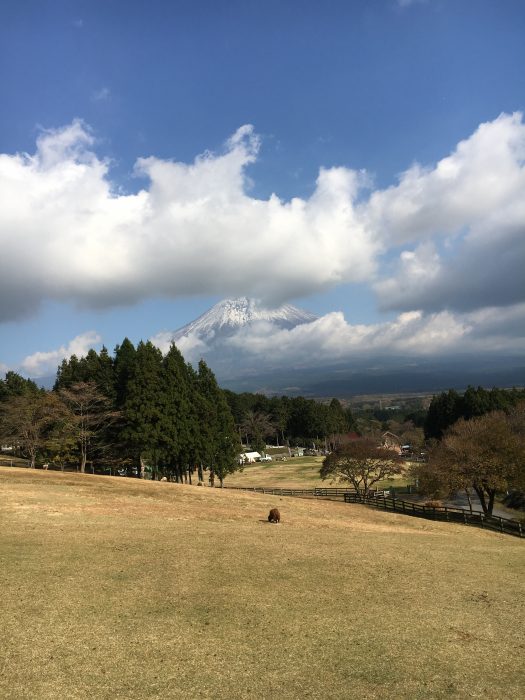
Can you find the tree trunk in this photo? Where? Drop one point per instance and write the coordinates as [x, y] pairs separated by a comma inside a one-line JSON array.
[[200, 473], [481, 495], [492, 495], [212, 477], [142, 469], [469, 499], [83, 460]]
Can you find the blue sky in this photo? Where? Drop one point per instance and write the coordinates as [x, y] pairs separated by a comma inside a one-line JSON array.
[[363, 90]]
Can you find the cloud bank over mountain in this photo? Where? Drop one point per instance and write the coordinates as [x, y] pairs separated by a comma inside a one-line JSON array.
[[446, 236], [266, 343], [444, 247]]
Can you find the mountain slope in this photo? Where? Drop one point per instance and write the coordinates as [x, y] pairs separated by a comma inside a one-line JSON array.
[[229, 315]]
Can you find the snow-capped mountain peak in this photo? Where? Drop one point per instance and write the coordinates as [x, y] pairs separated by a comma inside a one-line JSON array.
[[230, 315]]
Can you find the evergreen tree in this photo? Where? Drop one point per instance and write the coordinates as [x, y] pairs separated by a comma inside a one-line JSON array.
[[143, 406], [123, 364], [474, 402], [69, 372], [280, 414], [16, 385], [444, 411], [177, 434], [98, 368], [222, 447]]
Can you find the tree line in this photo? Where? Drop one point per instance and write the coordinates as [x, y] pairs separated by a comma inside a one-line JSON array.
[[288, 420], [475, 441], [450, 406], [141, 410], [130, 412], [138, 410]]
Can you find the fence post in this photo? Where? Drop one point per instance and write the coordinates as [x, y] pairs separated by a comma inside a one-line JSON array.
[[446, 513], [501, 525], [464, 517]]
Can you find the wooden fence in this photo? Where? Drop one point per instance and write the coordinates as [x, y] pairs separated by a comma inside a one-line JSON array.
[[378, 500], [444, 514], [332, 493]]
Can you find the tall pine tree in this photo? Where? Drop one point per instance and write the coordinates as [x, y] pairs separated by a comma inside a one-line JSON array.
[[221, 449], [143, 406]]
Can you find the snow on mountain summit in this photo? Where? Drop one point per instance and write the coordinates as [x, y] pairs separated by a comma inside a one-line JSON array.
[[230, 315]]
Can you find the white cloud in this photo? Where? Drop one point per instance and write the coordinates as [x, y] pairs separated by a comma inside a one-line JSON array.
[[330, 340], [67, 233], [412, 334], [191, 346], [461, 223], [104, 93], [40, 363]]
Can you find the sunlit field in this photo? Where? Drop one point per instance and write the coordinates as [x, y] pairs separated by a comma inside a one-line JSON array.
[[116, 588], [296, 472]]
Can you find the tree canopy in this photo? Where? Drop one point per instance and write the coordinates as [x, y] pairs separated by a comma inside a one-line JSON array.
[[486, 453], [361, 463]]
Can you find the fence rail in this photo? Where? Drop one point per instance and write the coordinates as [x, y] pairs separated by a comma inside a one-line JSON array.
[[276, 491], [443, 514], [376, 499]]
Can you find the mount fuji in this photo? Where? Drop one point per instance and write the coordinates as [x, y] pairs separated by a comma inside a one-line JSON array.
[[217, 336], [230, 315], [240, 340]]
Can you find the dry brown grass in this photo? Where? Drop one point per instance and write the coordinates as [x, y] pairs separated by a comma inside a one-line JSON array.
[[115, 588]]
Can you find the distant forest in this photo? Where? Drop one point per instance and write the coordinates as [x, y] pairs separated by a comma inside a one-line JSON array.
[[141, 411]]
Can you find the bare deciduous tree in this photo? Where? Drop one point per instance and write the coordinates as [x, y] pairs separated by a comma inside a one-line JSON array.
[[90, 414], [362, 463], [26, 421], [486, 453]]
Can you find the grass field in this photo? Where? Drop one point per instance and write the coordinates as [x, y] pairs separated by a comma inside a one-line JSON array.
[[115, 588], [301, 472], [298, 472]]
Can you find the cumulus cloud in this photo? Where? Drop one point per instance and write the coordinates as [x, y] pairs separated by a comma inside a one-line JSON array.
[[461, 224], [41, 363], [412, 334], [191, 346], [332, 340], [68, 233]]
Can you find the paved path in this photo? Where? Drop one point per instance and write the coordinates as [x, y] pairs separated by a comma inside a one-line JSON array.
[[460, 501]]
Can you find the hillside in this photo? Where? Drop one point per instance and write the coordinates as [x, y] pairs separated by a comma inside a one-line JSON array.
[[115, 588]]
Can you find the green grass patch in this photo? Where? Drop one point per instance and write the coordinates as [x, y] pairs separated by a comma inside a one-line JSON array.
[[296, 472]]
